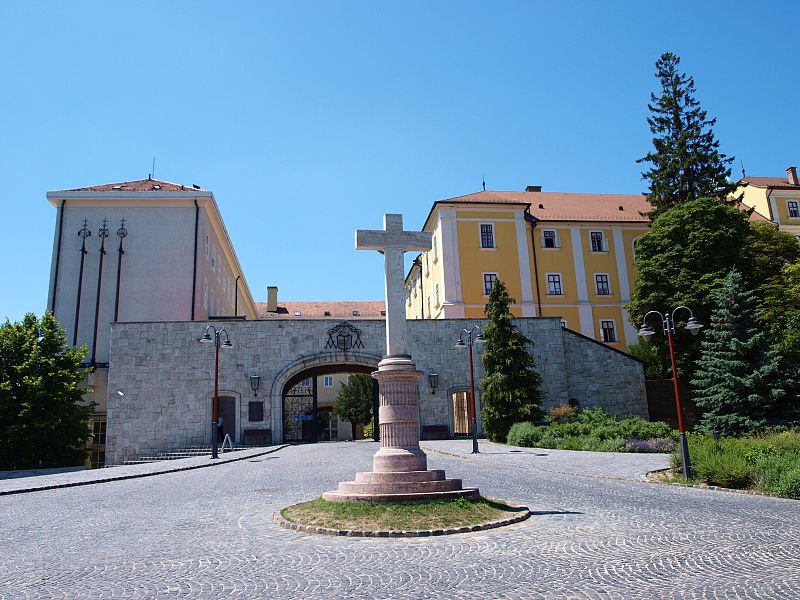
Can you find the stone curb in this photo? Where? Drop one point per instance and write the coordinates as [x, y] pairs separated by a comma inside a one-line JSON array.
[[138, 475], [716, 488], [277, 518]]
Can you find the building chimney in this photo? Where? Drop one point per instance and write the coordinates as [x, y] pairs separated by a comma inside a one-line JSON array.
[[272, 298], [533, 188], [791, 175]]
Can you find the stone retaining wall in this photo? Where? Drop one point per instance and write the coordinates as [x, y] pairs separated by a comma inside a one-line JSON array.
[[166, 376]]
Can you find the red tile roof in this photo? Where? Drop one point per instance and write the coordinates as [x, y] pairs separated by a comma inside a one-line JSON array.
[[561, 206], [366, 309], [141, 185], [775, 182]]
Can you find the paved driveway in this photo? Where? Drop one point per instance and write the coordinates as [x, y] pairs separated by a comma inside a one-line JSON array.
[[598, 532]]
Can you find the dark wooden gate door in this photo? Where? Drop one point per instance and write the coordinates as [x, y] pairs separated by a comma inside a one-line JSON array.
[[227, 410]]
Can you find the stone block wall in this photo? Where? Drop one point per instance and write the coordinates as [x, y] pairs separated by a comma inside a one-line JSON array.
[[166, 376]]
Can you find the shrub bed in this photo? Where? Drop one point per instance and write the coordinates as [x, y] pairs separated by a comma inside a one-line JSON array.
[[595, 430], [769, 463]]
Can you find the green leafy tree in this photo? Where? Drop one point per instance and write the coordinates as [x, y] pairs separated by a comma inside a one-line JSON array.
[[686, 161], [738, 378], [354, 400], [765, 253], [44, 421], [682, 260], [512, 389]]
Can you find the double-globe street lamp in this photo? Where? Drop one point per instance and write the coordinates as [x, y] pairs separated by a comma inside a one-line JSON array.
[[668, 323], [206, 339], [461, 343]]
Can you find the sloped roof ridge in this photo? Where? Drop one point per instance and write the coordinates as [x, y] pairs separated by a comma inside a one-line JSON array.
[[133, 183]]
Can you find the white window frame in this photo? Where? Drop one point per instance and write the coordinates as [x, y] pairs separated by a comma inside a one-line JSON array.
[[560, 282], [613, 330], [494, 278], [490, 233], [607, 283], [435, 251], [208, 243], [603, 245], [795, 209], [327, 381], [564, 323], [436, 290], [556, 241]]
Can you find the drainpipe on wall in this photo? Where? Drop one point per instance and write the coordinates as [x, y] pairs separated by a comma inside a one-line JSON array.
[[532, 220], [58, 255], [194, 270]]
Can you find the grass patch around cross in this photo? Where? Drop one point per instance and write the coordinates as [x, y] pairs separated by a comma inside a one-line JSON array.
[[374, 516]]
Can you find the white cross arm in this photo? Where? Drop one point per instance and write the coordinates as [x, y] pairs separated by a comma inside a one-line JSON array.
[[372, 239]]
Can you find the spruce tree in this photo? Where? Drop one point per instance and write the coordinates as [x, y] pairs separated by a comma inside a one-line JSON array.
[[43, 418], [738, 377], [686, 161], [512, 389]]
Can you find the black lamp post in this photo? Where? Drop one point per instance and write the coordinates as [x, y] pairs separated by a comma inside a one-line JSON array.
[[668, 323], [206, 339], [461, 343]]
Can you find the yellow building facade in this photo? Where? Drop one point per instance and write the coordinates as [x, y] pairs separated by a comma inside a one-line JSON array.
[[777, 198], [561, 255]]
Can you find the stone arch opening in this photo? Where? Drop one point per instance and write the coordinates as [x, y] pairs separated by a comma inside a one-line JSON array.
[[303, 394]]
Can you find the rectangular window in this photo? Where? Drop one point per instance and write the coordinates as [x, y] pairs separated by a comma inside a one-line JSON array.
[[207, 245], [794, 209], [427, 266], [598, 244], [98, 433], [487, 235], [328, 381], [607, 331], [601, 284], [213, 259], [436, 289], [554, 284], [489, 279], [430, 316], [549, 239], [205, 293], [563, 323], [255, 411], [435, 250]]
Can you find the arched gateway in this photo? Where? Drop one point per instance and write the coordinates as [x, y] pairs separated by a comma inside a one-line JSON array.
[[302, 418]]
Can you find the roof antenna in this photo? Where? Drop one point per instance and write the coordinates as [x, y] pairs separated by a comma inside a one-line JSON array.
[[484, 182], [742, 163]]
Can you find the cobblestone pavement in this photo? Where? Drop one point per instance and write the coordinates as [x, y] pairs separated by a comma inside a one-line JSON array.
[[597, 532]]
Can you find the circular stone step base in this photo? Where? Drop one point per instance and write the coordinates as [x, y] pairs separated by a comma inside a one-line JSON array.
[[407, 476], [337, 496]]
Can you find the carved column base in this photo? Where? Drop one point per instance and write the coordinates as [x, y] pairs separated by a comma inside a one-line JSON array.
[[400, 468]]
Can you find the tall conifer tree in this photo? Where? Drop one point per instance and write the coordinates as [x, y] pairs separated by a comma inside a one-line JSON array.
[[738, 380], [686, 161], [512, 389]]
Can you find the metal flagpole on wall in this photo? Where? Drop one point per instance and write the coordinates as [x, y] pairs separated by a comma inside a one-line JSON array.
[[103, 234], [121, 233], [83, 234]]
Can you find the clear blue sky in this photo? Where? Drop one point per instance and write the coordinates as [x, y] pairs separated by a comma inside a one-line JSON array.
[[309, 120]]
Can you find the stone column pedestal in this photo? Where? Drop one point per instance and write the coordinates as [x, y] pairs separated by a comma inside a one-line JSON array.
[[400, 467], [398, 416]]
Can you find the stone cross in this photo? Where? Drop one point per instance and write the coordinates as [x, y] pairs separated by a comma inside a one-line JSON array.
[[392, 241]]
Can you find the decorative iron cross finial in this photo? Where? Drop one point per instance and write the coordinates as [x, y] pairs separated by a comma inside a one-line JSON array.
[[84, 233], [122, 232], [103, 233]]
